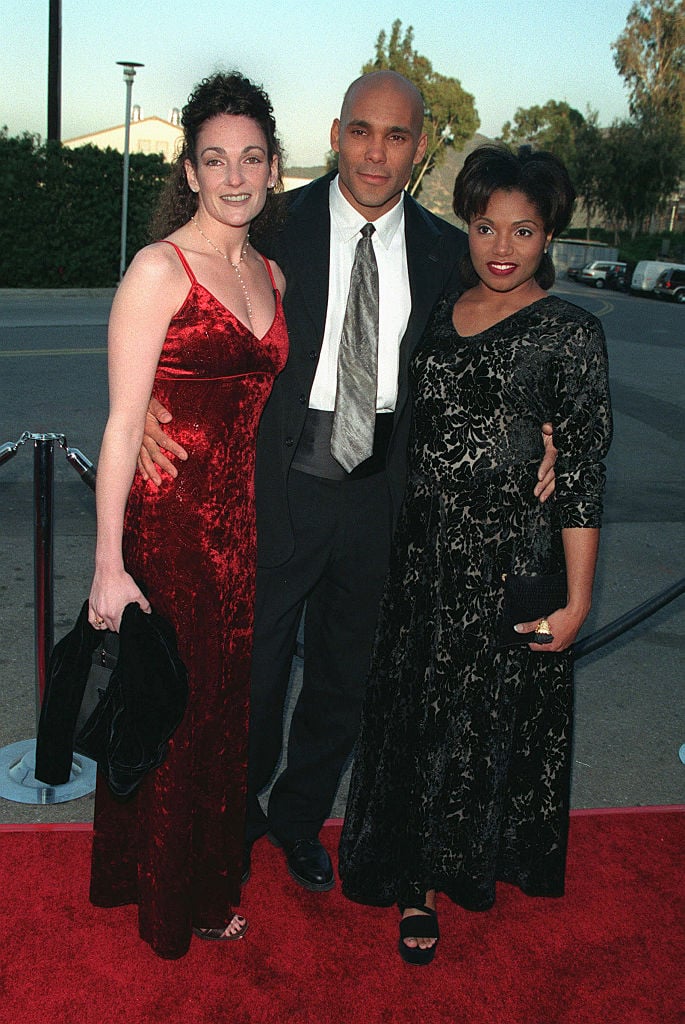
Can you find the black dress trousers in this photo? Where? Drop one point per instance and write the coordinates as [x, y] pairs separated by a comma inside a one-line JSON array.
[[342, 540]]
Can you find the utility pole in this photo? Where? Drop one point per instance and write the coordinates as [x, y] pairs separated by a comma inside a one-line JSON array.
[[55, 72]]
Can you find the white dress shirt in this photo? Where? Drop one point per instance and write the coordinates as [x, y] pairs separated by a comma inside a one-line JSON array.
[[393, 292]]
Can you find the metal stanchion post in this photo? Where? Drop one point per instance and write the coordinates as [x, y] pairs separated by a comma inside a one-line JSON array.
[[18, 781], [43, 556]]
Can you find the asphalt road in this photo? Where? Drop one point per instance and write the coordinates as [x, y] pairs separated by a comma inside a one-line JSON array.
[[629, 719]]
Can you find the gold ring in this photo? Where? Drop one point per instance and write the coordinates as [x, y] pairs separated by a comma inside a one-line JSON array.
[[543, 628], [99, 621]]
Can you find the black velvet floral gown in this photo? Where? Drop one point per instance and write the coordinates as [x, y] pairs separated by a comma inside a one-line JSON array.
[[462, 768], [176, 847]]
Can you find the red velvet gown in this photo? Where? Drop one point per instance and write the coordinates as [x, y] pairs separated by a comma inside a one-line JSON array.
[[176, 847]]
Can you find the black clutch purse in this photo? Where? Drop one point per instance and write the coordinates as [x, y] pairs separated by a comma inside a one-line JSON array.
[[527, 598]]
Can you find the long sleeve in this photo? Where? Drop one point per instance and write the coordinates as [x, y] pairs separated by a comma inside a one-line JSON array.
[[582, 423]]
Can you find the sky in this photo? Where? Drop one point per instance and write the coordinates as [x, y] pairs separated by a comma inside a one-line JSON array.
[[506, 53]]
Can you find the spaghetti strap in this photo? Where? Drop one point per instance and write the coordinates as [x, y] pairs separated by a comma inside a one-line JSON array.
[[269, 272], [184, 261]]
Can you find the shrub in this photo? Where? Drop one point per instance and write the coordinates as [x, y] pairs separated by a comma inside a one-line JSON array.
[[61, 222]]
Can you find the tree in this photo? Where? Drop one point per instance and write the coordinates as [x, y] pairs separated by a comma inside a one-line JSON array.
[[450, 115], [648, 153], [589, 166], [643, 163], [575, 139], [553, 127], [650, 55]]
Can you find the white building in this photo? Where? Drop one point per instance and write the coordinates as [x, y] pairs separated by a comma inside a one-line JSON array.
[[146, 135], [149, 135]]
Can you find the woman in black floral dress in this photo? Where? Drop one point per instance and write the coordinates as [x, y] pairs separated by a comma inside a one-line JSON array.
[[462, 769]]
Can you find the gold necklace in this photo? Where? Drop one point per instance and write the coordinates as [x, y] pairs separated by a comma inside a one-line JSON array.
[[236, 266]]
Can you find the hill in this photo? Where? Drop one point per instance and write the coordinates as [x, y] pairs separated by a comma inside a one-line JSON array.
[[436, 193]]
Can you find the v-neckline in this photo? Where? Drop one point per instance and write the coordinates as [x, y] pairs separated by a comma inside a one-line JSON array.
[[498, 323], [236, 318]]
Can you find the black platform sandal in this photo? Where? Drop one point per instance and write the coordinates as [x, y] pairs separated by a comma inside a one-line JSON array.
[[418, 926]]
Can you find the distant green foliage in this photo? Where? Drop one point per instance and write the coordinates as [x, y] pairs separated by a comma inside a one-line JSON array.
[[553, 127], [644, 161], [628, 171], [632, 170], [650, 57], [60, 212], [575, 139], [648, 152]]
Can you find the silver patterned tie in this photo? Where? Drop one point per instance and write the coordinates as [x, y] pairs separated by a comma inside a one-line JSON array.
[[354, 417]]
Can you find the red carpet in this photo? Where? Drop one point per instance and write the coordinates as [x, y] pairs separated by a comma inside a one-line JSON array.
[[610, 952]]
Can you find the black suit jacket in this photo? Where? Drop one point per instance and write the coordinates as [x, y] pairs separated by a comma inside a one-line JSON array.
[[301, 248]]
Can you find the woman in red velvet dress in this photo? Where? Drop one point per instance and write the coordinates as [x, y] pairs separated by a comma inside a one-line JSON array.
[[198, 322]]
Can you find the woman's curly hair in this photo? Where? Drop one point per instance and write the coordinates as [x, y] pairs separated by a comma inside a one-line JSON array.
[[221, 93]]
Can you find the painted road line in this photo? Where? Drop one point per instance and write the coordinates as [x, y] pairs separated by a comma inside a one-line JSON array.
[[605, 308], [54, 352]]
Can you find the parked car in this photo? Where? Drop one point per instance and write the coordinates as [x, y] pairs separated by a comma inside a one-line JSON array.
[[618, 278], [573, 272], [647, 272], [595, 273], [670, 284]]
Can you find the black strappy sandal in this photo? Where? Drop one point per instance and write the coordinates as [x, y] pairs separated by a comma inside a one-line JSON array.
[[218, 934], [418, 926]]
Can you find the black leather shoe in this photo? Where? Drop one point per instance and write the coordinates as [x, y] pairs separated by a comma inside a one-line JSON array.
[[310, 865]]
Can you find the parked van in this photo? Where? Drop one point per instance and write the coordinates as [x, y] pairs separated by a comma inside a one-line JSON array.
[[595, 273], [646, 273], [670, 284]]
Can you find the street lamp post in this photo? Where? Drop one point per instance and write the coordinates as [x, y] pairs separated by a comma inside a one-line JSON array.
[[129, 67]]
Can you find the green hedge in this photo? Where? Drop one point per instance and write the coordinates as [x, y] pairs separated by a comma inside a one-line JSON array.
[[60, 212]]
